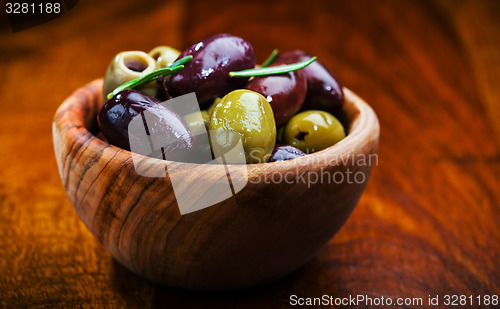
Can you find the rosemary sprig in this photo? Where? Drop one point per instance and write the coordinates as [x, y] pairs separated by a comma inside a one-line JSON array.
[[270, 59], [174, 67], [273, 70], [181, 61]]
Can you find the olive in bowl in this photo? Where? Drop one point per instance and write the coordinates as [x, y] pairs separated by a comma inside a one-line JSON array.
[[207, 73], [283, 152], [116, 115], [246, 116], [311, 131], [285, 92], [127, 66], [324, 91], [270, 227], [164, 55]]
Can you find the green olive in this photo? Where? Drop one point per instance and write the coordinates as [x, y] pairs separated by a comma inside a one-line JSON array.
[[164, 55], [127, 66], [313, 130], [197, 122], [247, 116]]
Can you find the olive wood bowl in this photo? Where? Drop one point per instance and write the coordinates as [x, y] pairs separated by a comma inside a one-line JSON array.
[[262, 233]]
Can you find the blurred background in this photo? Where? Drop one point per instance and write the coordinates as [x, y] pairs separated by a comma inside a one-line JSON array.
[[429, 221]]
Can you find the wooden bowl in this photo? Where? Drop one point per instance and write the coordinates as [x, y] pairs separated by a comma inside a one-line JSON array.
[[267, 230]]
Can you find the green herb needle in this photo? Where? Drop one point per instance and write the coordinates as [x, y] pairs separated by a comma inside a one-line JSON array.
[[273, 70], [270, 59]]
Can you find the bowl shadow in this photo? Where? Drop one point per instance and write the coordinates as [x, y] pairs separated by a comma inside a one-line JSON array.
[[139, 292]]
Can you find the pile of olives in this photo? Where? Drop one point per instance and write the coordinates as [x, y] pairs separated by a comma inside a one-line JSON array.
[[280, 116]]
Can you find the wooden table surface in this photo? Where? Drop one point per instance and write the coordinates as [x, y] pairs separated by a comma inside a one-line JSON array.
[[428, 222]]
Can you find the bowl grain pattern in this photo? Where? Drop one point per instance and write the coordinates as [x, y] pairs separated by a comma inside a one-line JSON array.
[[262, 233]]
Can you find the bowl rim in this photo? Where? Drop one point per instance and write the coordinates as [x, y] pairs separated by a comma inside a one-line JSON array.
[[362, 122]]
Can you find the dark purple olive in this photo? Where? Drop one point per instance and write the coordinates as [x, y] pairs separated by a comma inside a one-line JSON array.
[[324, 92], [207, 73], [285, 92], [169, 136], [285, 152]]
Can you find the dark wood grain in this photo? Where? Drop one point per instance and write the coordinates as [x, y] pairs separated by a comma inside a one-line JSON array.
[[428, 223]]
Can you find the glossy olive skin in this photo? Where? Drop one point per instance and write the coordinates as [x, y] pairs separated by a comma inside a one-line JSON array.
[[285, 152], [115, 116], [313, 130], [207, 73], [249, 117], [324, 92], [285, 92]]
